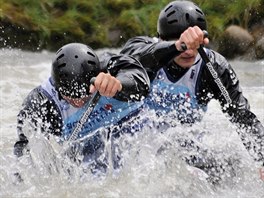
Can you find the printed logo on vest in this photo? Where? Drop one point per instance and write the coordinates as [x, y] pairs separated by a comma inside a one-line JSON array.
[[108, 107], [192, 74]]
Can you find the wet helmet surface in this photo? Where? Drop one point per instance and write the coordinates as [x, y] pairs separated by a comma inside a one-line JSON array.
[[72, 69], [177, 16]]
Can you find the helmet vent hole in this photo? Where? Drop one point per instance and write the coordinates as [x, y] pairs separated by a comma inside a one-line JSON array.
[[171, 13], [76, 56], [187, 16], [168, 8], [91, 62], [91, 54], [60, 57], [201, 20], [62, 65], [58, 50], [172, 21], [197, 10]]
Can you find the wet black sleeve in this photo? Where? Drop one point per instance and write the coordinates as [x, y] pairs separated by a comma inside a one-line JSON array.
[[250, 129], [133, 77], [152, 54], [38, 112]]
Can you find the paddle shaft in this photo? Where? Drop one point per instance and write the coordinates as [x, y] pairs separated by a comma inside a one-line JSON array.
[[93, 101], [211, 70], [214, 74]]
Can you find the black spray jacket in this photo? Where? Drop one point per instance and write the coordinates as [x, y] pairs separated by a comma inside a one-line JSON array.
[[155, 55], [45, 109]]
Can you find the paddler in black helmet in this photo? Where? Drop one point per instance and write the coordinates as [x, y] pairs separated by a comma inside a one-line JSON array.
[[183, 82], [66, 100]]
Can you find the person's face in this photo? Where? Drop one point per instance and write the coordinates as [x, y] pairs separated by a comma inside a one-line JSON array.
[[77, 102], [186, 59]]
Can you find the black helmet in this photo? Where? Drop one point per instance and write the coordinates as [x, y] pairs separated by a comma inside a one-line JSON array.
[[177, 16], [73, 67]]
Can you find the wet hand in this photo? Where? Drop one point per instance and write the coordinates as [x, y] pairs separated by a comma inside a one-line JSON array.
[[193, 37], [106, 84]]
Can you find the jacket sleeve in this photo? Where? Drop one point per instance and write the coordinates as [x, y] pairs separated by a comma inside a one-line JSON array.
[[133, 77], [37, 113], [151, 53], [250, 129]]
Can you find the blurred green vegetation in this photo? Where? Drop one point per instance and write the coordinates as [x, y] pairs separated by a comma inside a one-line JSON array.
[[48, 24]]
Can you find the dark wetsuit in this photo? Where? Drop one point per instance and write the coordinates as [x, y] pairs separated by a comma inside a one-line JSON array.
[[45, 109], [187, 92]]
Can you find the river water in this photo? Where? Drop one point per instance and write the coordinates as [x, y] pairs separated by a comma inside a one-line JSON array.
[[145, 173]]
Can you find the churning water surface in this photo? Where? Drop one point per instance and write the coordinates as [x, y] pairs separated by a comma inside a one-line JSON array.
[[147, 171]]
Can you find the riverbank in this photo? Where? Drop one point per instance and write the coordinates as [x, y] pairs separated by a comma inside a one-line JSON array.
[[110, 23]]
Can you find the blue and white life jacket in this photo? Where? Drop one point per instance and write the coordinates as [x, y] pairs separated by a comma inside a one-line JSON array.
[[177, 98], [108, 111]]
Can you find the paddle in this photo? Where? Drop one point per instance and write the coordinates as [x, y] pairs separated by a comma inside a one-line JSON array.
[[51, 144], [211, 70], [93, 101], [220, 85]]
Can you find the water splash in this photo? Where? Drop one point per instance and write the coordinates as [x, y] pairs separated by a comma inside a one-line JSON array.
[[152, 161]]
